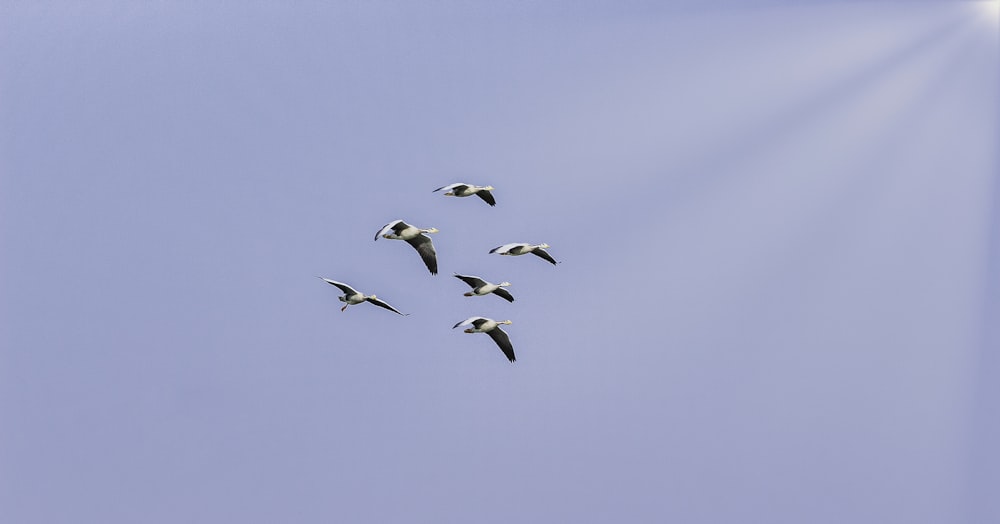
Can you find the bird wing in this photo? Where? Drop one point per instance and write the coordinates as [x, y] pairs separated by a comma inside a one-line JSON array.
[[487, 196], [544, 254], [385, 229], [343, 287], [500, 337], [467, 321], [450, 186], [380, 303], [472, 281], [504, 248], [504, 293], [422, 243]]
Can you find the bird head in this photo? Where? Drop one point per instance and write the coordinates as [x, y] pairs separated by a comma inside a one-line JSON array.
[[430, 230], [506, 322], [488, 188], [504, 284], [543, 246]]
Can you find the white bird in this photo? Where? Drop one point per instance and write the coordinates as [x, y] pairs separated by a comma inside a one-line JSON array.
[[523, 249], [352, 296], [461, 189], [415, 237], [481, 287], [492, 328]]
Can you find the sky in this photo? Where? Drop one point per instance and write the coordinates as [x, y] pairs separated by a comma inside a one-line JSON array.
[[778, 225]]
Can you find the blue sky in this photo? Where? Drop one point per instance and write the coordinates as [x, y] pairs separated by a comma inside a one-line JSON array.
[[777, 226]]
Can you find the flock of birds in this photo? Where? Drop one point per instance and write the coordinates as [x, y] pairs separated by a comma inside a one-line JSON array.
[[417, 237]]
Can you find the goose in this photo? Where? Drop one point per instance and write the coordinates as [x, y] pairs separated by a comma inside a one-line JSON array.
[[461, 189], [399, 230], [492, 328], [481, 287], [352, 296], [522, 249]]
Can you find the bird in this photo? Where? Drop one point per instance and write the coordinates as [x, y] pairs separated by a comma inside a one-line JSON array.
[[415, 237], [522, 249], [352, 296], [461, 189], [481, 287], [492, 328]]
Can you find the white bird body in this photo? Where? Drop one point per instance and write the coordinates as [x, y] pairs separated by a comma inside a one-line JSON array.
[[492, 328], [521, 248], [353, 297], [481, 287], [399, 230], [461, 189], [486, 289]]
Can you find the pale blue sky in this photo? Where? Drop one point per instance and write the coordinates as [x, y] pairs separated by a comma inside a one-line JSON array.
[[777, 227]]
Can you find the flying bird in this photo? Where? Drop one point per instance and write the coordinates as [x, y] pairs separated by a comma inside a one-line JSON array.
[[399, 230], [481, 287], [461, 189], [492, 328], [523, 249], [352, 296]]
